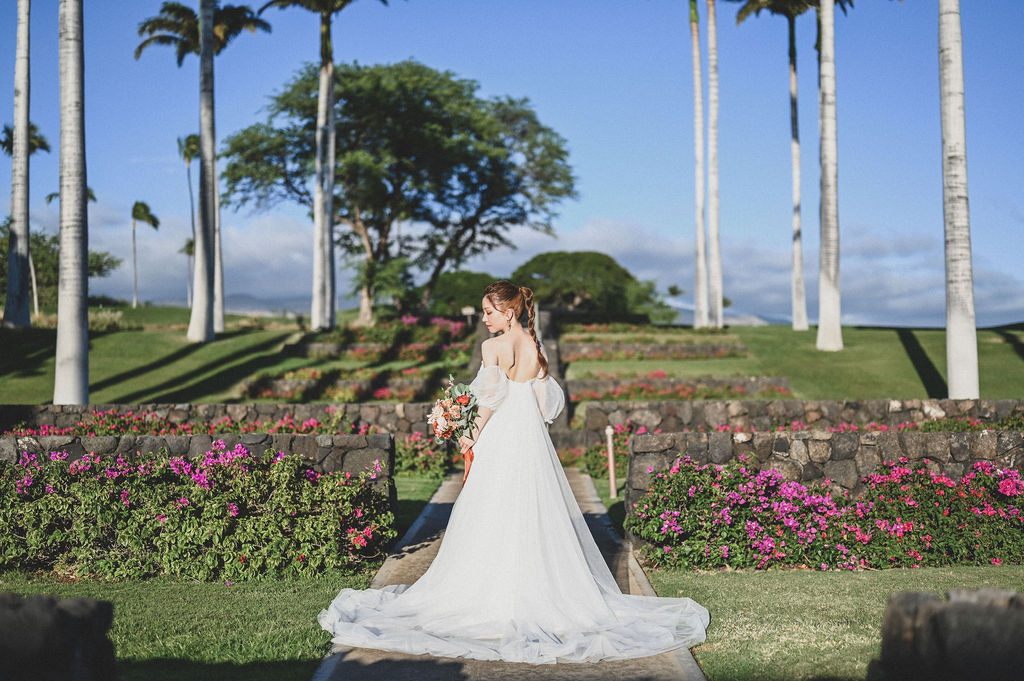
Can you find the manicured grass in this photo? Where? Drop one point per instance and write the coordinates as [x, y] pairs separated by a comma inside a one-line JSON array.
[[796, 625], [875, 362], [167, 630], [414, 492]]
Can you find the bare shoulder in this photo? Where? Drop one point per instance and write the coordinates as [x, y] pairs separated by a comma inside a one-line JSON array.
[[491, 350]]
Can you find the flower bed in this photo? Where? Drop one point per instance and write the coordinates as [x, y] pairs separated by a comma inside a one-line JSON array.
[[677, 391], [574, 352], [115, 422], [713, 516], [418, 453], [232, 514]]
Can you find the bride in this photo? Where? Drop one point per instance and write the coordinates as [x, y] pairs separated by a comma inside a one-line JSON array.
[[518, 576]]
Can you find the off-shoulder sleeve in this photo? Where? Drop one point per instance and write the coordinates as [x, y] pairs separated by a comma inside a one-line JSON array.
[[550, 397], [490, 386]]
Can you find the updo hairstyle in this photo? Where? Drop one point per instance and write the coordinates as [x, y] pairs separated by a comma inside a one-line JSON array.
[[505, 295]]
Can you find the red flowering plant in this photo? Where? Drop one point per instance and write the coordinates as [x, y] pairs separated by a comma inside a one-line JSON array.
[[453, 416], [734, 515]]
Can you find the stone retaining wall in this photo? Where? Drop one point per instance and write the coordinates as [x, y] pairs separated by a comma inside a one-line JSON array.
[[766, 415], [812, 455]]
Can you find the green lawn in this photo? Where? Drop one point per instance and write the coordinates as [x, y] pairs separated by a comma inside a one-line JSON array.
[[875, 363], [799, 625], [166, 630]]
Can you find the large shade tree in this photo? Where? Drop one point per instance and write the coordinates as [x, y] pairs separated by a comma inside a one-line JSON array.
[[459, 169], [178, 26], [961, 335], [71, 371], [16, 314], [324, 275], [140, 213]]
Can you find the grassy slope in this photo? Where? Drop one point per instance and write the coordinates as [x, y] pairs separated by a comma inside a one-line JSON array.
[[876, 363], [797, 625]]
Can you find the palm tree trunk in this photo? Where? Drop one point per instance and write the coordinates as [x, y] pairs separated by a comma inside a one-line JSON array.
[[961, 335], [714, 244], [71, 373], [35, 289], [218, 263], [200, 328], [135, 271], [323, 316], [799, 296], [192, 216], [700, 292], [188, 279], [830, 333], [16, 314]]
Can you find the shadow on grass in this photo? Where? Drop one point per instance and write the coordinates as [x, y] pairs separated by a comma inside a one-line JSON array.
[[1011, 340], [187, 386], [934, 383], [163, 669], [25, 350]]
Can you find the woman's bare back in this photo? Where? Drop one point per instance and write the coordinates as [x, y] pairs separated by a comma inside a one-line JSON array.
[[515, 353]]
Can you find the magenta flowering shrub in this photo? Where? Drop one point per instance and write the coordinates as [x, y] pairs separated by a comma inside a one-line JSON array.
[[418, 453], [733, 515], [232, 514]]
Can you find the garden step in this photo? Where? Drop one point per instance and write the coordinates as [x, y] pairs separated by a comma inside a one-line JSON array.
[[414, 553]]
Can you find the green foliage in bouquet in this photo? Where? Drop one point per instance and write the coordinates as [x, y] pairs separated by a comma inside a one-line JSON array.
[[453, 414], [230, 515]]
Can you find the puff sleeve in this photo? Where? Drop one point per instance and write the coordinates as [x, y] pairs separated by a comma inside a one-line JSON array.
[[550, 397], [490, 386]]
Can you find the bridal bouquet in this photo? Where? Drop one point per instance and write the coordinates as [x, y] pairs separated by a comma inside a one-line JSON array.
[[453, 415]]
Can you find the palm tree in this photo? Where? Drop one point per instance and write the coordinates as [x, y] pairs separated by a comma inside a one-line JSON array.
[[961, 336], [700, 292], [71, 373], [714, 245], [177, 26], [90, 197], [189, 249], [140, 213], [790, 9], [200, 326], [16, 313], [830, 332], [324, 289], [188, 149]]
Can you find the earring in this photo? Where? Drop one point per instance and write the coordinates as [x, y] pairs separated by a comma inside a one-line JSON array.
[[509, 324]]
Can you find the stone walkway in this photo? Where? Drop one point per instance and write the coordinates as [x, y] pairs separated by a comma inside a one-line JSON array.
[[413, 555]]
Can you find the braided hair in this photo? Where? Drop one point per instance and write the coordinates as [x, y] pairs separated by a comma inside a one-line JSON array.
[[505, 295]]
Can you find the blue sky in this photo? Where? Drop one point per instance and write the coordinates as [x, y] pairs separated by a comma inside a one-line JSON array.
[[613, 78]]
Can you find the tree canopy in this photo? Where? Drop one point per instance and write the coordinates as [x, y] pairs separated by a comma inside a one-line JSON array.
[[415, 146], [45, 249], [590, 282]]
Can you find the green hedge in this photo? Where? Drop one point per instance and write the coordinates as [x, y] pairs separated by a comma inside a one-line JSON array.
[[230, 515]]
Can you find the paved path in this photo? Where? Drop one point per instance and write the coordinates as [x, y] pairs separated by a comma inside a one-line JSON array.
[[416, 551]]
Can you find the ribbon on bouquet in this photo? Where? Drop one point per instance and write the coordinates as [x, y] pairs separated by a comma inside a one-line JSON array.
[[468, 458]]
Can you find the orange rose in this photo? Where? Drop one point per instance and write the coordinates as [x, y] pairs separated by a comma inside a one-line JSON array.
[[462, 399]]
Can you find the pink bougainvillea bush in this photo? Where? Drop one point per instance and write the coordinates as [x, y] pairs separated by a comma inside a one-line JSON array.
[[231, 514], [733, 515], [418, 453]]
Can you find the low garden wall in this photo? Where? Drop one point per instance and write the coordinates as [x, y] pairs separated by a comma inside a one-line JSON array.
[[812, 455], [765, 415]]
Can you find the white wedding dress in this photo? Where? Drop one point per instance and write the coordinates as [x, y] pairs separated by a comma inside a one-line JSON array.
[[518, 576]]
